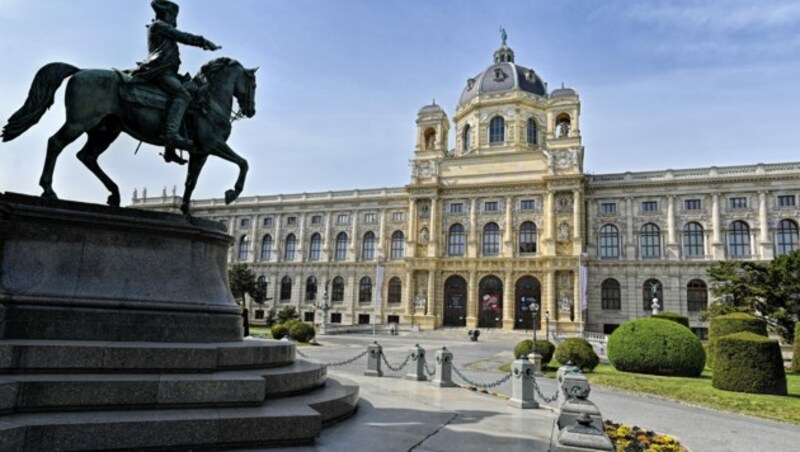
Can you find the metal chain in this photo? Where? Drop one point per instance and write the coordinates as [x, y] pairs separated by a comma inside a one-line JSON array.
[[340, 363], [392, 368], [542, 396], [297, 350], [482, 385], [428, 369]]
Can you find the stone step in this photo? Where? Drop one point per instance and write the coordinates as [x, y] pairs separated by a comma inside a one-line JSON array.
[[43, 356], [76, 392], [284, 421]]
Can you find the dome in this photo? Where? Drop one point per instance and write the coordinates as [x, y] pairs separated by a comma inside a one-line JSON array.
[[563, 92], [433, 108], [503, 75]]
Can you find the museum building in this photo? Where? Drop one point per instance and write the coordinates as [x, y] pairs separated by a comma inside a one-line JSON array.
[[507, 221]]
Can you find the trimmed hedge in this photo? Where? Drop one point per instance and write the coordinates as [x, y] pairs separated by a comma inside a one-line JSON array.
[[748, 362], [578, 351], [675, 317], [656, 346], [737, 322], [302, 332], [796, 354], [545, 348], [279, 331]]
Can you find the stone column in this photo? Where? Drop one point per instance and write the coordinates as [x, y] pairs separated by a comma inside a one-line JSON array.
[[672, 243], [353, 251], [576, 297], [549, 294], [472, 241], [301, 237], [326, 238], [550, 224], [408, 294], [577, 222], [472, 300], [434, 233], [278, 241], [718, 246], [509, 300], [380, 233], [412, 229], [508, 240], [432, 308], [765, 242], [630, 246]]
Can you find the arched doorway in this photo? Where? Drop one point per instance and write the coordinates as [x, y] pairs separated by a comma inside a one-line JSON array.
[[490, 303], [455, 301], [528, 292]]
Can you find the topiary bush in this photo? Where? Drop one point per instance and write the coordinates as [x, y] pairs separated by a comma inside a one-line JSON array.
[[578, 351], [279, 331], [737, 322], [656, 346], [796, 354], [289, 324], [545, 348], [748, 362], [302, 332], [675, 317]]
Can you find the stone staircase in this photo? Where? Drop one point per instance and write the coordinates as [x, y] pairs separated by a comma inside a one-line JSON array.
[[95, 395]]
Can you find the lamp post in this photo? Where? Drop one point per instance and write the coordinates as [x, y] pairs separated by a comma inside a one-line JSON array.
[[547, 324], [325, 308], [535, 356]]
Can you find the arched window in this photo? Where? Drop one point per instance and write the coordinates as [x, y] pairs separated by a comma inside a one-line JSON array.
[[466, 138], [266, 248], [693, 240], [398, 245], [697, 295], [609, 242], [532, 132], [262, 285], [395, 290], [650, 242], [341, 246], [739, 240], [430, 138], [491, 239], [610, 295], [286, 288], [786, 237], [368, 247], [497, 130], [244, 248], [527, 238], [647, 294], [337, 289], [291, 248], [311, 288], [365, 290], [456, 240], [315, 247]]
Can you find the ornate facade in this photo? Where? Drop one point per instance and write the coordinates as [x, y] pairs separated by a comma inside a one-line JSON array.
[[507, 220]]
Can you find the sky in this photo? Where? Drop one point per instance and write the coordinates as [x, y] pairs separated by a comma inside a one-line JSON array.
[[663, 84]]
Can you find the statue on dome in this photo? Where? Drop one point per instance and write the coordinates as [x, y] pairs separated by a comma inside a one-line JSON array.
[[503, 35]]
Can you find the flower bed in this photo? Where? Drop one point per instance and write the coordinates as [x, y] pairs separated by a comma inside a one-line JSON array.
[[626, 438]]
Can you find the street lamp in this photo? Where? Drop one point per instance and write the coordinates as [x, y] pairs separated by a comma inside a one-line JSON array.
[[325, 308], [535, 313]]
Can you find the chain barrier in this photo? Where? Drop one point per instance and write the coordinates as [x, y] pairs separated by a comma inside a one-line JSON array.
[[297, 350], [542, 396], [339, 363], [392, 368], [428, 369], [482, 385]]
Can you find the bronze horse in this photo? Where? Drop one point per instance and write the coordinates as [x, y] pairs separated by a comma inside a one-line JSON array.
[[95, 107]]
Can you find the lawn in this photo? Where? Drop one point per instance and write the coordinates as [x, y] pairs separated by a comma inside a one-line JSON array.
[[698, 391]]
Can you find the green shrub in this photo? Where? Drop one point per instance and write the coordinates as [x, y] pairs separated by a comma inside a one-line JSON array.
[[748, 362], [796, 354], [291, 323], [656, 346], [737, 322], [675, 317], [578, 351], [545, 348], [279, 331], [287, 313], [302, 332]]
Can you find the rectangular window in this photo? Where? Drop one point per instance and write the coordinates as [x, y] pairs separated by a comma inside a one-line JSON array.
[[490, 206], [608, 208], [527, 204], [244, 223], [343, 219], [738, 203], [260, 314], [398, 216], [291, 221], [363, 319], [370, 218], [786, 201], [692, 204], [336, 317], [316, 219], [456, 207], [701, 333], [650, 206], [609, 328], [393, 319], [267, 222], [308, 317]]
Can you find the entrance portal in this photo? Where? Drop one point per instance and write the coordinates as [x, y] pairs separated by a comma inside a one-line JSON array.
[[528, 293], [490, 303], [455, 301]]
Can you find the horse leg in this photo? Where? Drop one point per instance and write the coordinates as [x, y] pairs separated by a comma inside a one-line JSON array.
[[100, 138], [196, 163], [68, 133], [224, 152]]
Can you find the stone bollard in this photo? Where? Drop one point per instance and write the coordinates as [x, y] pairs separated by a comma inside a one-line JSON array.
[[418, 356], [444, 368], [374, 360], [575, 387], [581, 437], [522, 384]]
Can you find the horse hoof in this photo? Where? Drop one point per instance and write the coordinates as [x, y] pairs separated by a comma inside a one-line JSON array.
[[230, 196], [113, 201]]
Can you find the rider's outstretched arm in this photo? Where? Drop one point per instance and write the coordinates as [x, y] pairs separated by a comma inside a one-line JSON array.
[[183, 37]]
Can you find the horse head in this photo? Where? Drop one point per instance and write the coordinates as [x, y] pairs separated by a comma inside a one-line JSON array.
[[241, 79]]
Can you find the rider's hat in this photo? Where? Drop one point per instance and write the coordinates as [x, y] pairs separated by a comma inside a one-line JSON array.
[[164, 6]]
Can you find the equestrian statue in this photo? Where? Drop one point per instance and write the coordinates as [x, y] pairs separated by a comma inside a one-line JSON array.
[[152, 103]]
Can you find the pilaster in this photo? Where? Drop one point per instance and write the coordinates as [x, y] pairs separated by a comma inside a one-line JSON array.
[[508, 301], [472, 241], [472, 300], [766, 251]]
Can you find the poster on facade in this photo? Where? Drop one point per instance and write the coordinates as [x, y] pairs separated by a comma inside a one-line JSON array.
[[491, 302]]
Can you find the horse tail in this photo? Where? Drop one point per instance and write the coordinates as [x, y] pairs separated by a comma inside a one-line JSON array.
[[40, 99]]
